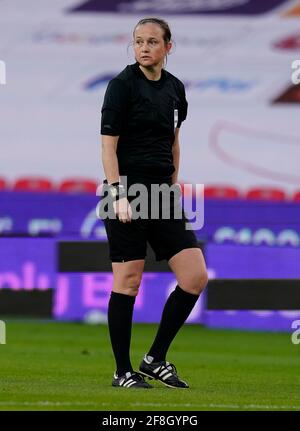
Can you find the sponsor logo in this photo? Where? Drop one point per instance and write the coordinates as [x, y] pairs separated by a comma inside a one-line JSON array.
[[35, 227], [62, 37], [74, 38], [28, 278], [262, 236], [222, 85], [92, 226]]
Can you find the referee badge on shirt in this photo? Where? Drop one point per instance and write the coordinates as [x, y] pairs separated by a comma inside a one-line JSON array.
[[175, 118]]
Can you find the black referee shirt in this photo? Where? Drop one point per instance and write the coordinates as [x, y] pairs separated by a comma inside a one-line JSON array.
[[144, 114]]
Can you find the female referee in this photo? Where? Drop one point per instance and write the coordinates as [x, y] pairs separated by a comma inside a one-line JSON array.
[[142, 111]]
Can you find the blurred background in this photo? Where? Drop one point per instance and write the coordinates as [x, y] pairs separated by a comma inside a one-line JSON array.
[[241, 140]]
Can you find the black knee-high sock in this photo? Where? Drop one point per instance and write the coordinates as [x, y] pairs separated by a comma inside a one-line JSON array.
[[120, 310], [176, 311]]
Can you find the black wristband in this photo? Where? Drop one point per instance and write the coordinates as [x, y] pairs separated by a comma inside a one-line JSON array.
[[121, 192], [117, 191]]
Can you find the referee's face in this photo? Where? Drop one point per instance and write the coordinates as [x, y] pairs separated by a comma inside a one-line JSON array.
[[150, 48]]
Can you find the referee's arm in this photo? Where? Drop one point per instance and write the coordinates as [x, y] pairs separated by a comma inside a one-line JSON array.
[[109, 158], [176, 156]]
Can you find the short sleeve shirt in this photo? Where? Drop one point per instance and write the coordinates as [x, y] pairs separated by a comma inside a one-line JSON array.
[[144, 114]]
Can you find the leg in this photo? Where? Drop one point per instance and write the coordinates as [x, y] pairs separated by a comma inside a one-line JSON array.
[[127, 278], [189, 268]]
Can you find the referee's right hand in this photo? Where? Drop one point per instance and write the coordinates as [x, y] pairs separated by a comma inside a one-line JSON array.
[[123, 210]]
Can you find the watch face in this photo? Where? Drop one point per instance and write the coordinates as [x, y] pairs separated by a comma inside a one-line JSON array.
[[113, 192]]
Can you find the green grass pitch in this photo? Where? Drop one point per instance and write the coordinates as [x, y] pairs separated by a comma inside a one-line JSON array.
[[69, 366]]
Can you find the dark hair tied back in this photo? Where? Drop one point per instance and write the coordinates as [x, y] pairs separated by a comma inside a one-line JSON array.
[[162, 23]]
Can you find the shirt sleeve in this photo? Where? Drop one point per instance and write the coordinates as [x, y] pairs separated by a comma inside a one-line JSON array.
[[114, 107], [183, 107]]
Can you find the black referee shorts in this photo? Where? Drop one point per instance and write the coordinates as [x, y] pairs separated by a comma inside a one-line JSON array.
[[128, 241]]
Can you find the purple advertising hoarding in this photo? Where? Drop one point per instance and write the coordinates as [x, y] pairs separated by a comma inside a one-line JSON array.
[[31, 263], [242, 261], [56, 214], [81, 296], [225, 221], [246, 262], [240, 7], [27, 263]]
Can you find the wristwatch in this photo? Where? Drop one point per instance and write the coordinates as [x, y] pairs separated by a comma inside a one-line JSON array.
[[116, 191]]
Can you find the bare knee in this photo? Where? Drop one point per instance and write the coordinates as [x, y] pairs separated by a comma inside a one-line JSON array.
[[128, 284], [195, 283]]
